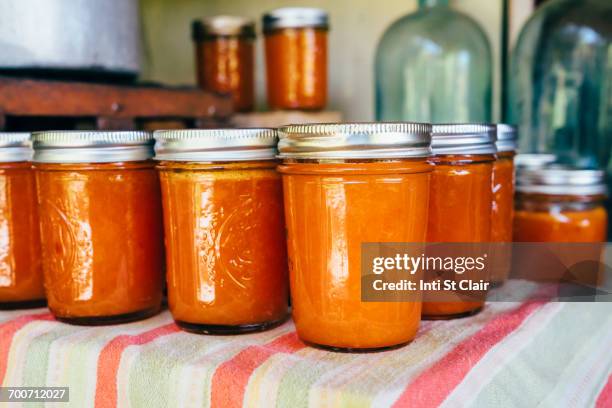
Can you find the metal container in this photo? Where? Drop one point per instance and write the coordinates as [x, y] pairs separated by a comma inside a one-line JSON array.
[[92, 36]]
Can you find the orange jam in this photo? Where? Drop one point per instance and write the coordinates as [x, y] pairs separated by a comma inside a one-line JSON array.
[[225, 58], [296, 59], [225, 238], [502, 213], [460, 199], [101, 227], [21, 279], [555, 219], [331, 208], [560, 204]]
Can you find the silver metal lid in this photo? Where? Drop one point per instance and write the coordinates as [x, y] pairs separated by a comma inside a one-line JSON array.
[[210, 145], [469, 138], [210, 27], [534, 160], [15, 147], [355, 140], [507, 138], [560, 180], [91, 146], [295, 17]]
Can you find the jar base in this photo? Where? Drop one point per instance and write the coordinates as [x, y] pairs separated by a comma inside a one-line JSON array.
[[453, 316], [26, 304], [356, 350], [219, 329], [110, 320]]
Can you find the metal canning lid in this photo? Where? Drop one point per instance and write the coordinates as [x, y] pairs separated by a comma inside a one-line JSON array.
[[560, 180], [210, 145], [468, 138], [534, 159], [295, 17], [75, 146], [210, 27], [355, 140], [15, 147], [507, 138]]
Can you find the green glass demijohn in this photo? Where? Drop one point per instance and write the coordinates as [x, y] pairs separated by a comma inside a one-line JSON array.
[[560, 82], [434, 65]]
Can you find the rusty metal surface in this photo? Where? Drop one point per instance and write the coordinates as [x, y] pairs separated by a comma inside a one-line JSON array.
[[27, 97]]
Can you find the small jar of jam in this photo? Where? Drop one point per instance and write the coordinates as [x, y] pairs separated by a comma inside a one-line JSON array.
[[101, 225], [344, 185], [225, 230], [296, 58], [503, 202], [460, 199], [21, 278], [225, 58], [559, 204]]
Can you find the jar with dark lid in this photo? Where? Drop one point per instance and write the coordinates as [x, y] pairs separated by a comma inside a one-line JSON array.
[[503, 202], [225, 230], [21, 278], [560, 204], [346, 184], [101, 226], [296, 58], [225, 58], [460, 198]]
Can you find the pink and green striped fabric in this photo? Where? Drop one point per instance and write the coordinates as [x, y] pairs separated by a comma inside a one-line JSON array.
[[512, 354]]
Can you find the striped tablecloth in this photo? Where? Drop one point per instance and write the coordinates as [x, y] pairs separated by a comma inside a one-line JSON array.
[[512, 354]]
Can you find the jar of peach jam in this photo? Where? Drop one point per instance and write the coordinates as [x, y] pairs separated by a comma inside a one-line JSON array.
[[225, 230], [460, 199], [101, 226], [503, 203], [21, 279], [559, 204], [344, 185], [225, 58], [296, 58]]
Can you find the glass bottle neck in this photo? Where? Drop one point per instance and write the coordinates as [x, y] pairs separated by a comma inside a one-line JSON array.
[[433, 3]]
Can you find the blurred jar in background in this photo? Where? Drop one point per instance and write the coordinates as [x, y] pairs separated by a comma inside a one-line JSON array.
[[21, 278], [557, 204], [225, 58], [561, 205], [560, 91], [101, 225], [296, 58], [434, 66]]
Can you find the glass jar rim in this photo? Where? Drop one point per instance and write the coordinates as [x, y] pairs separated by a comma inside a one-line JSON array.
[[463, 138], [561, 181], [210, 145], [295, 17], [15, 147], [91, 146], [356, 140]]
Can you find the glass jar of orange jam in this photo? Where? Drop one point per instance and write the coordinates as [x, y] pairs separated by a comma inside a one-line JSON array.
[[225, 230], [21, 278], [344, 185], [296, 58], [101, 226], [557, 204], [460, 199], [503, 202], [225, 58]]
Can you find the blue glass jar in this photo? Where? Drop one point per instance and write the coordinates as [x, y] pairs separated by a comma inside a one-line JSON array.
[[561, 82], [434, 66]]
